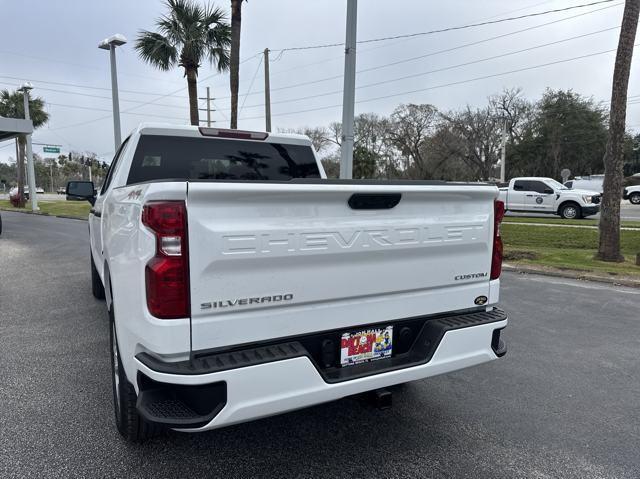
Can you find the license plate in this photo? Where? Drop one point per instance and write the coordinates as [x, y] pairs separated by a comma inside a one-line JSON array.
[[367, 345]]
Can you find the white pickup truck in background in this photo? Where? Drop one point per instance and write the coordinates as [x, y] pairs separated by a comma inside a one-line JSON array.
[[240, 283], [632, 193], [546, 195]]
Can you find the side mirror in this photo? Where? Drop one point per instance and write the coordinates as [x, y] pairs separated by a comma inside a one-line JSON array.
[[549, 191], [81, 190]]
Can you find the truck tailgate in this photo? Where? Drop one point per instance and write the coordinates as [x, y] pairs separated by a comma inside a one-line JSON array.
[[274, 260]]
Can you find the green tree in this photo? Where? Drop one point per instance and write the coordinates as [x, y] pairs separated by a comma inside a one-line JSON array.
[[565, 130], [188, 35], [12, 106], [365, 162]]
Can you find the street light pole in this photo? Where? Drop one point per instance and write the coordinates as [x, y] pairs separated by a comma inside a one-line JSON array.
[[110, 44], [349, 92], [31, 173]]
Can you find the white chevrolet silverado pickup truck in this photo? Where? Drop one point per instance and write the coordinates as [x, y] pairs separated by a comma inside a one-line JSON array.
[[546, 195], [241, 283]]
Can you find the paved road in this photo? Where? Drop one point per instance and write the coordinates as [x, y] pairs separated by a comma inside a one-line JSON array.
[[563, 403]]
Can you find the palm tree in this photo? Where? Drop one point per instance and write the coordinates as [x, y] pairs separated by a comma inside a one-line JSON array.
[[234, 73], [188, 35], [12, 106], [609, 247]]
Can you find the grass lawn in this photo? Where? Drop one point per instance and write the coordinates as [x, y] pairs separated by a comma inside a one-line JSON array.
[[560, 221], [77, 209], [567, 248]]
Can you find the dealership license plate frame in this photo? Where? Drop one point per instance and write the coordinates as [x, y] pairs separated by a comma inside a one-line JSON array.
[[376, 345]]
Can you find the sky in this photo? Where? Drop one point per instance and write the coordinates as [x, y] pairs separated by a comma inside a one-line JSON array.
[[58, 54]]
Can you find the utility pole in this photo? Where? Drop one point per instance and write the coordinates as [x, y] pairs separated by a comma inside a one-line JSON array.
[[208, 106], [208, 109], [31, 173], [349, 92], [267, 91], [503, 159], [51, 175]]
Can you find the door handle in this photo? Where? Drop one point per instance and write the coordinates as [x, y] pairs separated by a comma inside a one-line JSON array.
[[95, 212]]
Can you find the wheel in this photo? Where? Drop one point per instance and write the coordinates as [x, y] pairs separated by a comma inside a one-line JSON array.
[[634, 198], [570, 211], [128, 422], [97, 288]]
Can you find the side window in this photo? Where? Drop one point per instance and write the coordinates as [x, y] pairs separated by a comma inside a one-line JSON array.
[[538, 186], [569, 184], [112, 167], [520, 185]]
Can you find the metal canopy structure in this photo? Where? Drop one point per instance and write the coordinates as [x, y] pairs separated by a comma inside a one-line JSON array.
[[12, 127]]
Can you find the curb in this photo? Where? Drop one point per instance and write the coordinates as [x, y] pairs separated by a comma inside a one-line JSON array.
[[631, 283], [44, 214]]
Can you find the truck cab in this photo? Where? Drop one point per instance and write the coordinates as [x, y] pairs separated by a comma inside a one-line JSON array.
[[548, 196]]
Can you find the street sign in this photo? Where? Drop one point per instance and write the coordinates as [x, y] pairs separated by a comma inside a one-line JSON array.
[[51, 149], [565, 173]]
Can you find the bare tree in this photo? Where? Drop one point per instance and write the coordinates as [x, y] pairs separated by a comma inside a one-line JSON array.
[[481, 133], [609, 247], [318, 135], [410, 128], [515, 110]]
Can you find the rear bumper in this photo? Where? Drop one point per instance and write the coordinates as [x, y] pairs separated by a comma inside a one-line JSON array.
[[240, 386], [590, 210]]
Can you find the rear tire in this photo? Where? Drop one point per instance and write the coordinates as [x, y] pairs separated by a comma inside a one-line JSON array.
[[129, 423], [634, 198], [97, 288], [570, 211]]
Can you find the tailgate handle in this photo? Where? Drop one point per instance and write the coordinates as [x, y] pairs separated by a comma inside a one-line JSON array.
[[374, 201]]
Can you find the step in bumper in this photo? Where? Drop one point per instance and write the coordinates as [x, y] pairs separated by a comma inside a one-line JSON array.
[[259, 386]]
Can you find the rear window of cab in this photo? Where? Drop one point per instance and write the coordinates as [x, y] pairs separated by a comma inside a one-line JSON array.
[[192, 158]]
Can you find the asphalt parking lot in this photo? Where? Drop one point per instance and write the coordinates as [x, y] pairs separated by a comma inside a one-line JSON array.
[[564, 402]]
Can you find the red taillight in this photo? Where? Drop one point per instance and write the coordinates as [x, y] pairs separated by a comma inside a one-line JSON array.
[[167, 274], [496, 258]]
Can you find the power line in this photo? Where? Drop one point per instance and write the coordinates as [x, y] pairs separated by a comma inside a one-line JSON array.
[[444, 85], [448, 29], [105, 109], [391, 95], [99, 96], [88, 87], [447, 50], [429, 54], [438, 70], [251, 85]]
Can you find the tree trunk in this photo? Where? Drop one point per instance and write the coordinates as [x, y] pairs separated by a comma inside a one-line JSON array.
[[234, 66], [20, 162], [609, 248], [192, 87]]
